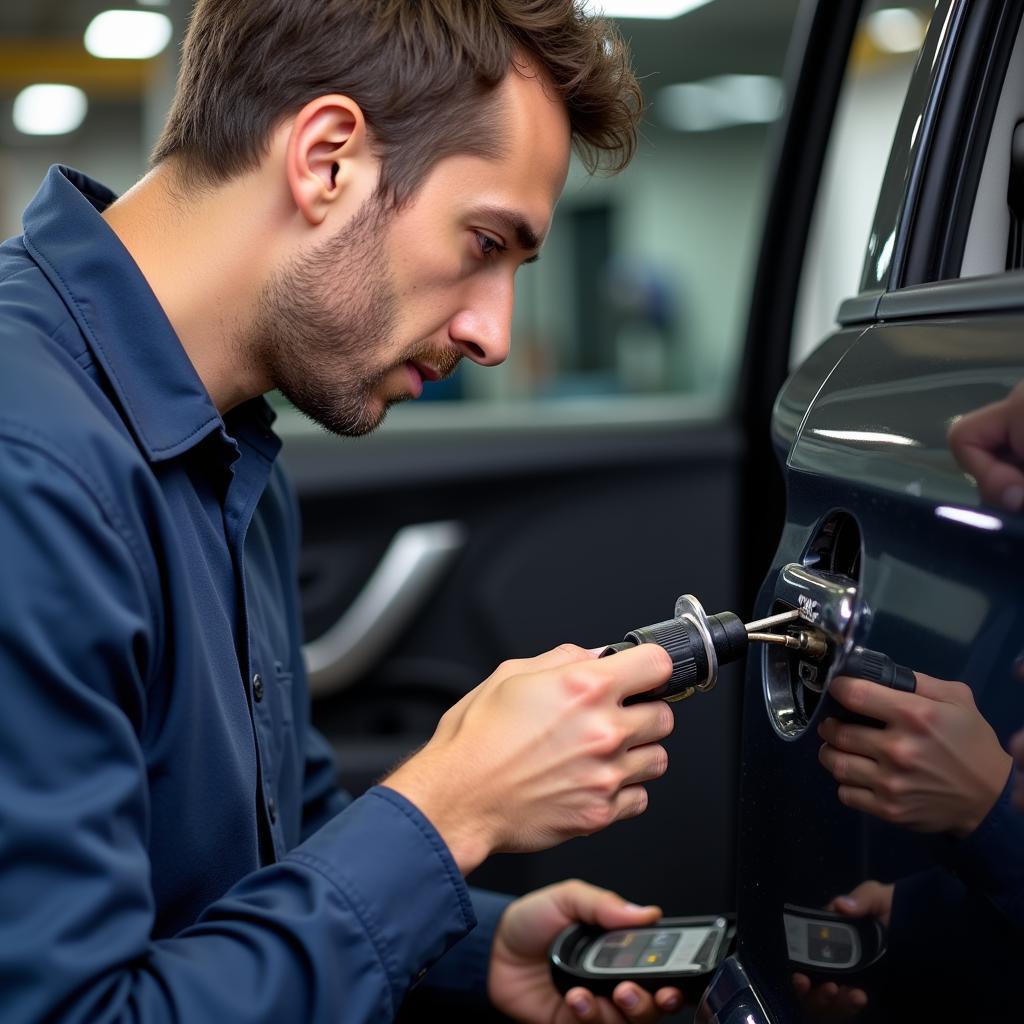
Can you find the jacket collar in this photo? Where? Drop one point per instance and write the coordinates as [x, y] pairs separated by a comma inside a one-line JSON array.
[[162, 398]]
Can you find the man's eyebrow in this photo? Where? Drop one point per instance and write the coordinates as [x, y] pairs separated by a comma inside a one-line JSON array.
[[513, 225]]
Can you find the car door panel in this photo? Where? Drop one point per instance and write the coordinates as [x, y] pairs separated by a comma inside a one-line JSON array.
[[938, 588], [569, 536]]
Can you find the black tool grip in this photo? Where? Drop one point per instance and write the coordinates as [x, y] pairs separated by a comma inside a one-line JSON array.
[[879, 668], [863, 663]]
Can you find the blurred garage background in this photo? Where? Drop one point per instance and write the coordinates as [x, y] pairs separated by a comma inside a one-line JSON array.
[[644, 282]]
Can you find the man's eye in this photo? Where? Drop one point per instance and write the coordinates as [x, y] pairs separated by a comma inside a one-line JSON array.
[[489, 247]]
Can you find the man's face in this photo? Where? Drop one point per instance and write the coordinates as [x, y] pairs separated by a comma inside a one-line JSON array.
[[394, 299]]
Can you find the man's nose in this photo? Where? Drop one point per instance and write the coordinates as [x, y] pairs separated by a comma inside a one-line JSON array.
[[483, 329]]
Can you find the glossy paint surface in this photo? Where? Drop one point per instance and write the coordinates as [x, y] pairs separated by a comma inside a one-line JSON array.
[[939, 589]]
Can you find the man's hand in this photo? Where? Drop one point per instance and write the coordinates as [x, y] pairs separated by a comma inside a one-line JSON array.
[[1017, 750], [989, 444], [541, 751], [937, 766], [869, 899], [831, 1001], [519, 982]]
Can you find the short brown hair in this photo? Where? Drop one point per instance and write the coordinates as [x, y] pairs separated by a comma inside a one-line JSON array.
[[422, 71]]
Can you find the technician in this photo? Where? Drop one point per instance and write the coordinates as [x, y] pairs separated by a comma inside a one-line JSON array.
[[339, 202]]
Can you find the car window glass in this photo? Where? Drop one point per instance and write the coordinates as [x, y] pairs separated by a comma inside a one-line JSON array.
[[888, 43], [995, 239]]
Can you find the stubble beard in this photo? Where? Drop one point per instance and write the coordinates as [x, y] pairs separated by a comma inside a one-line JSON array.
[[323, 322]]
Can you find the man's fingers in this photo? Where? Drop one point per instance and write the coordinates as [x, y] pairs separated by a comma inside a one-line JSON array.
[[1017, 747], [864, 800], [642, 764], [580, 901], [582, 1004], [641, 668], [864, 697], [980, 442], [564, 654], [853, 739], [629, 1002], [668, 999], [1002, 486], [850, 769], [635, 1003], [888, 705], [648, 722], [629, 802]]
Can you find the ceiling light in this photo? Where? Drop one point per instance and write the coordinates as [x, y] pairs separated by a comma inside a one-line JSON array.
[[128, 35], [642, 8], [49, 109], [720, 102], [897, 29]]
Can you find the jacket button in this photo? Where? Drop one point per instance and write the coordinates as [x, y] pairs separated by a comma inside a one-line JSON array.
[[257, 687]]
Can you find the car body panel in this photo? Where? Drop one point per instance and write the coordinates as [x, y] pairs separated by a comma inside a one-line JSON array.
[[938, 590], [861, 431]]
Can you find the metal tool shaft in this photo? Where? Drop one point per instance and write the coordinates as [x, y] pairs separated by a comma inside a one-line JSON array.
[[759, 625]]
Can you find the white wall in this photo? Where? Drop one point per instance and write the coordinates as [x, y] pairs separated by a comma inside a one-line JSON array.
[[858, 153]]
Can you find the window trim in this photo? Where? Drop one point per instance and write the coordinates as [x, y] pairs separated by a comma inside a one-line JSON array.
[[990, 294]]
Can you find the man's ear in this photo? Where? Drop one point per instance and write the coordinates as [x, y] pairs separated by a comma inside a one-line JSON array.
[[327, 150]]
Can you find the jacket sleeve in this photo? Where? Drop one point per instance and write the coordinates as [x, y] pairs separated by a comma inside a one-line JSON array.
[[990, 861], [459, 979], [335, 931]]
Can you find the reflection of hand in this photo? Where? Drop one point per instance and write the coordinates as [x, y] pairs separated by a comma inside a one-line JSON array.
[[989, 444], [937, 766], [828, 1002], [1017, 749], [831, 1001], [519, 981], [869, 899], [541, 751]]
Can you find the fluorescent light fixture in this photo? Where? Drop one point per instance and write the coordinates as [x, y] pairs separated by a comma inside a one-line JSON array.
[[969, 517], [653, 9], [896, 29], [720, 102], [48, 109], [868, 437], [128, 35]]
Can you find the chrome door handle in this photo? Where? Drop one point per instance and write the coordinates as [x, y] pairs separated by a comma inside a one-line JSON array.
[[406, 576], [825, 600]]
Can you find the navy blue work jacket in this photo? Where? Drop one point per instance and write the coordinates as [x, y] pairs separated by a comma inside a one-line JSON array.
[[172, 844]]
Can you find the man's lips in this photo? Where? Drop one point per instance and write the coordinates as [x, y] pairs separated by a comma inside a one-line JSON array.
[[426, 371]]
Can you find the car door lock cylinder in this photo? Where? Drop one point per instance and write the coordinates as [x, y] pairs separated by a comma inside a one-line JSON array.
[[699, 644]]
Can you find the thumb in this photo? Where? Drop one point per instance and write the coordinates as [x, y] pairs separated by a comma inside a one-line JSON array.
[[869, 898], [591, 905], [851, 905]]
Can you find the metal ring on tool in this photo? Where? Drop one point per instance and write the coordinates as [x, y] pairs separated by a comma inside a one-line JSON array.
[[688, 607]]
